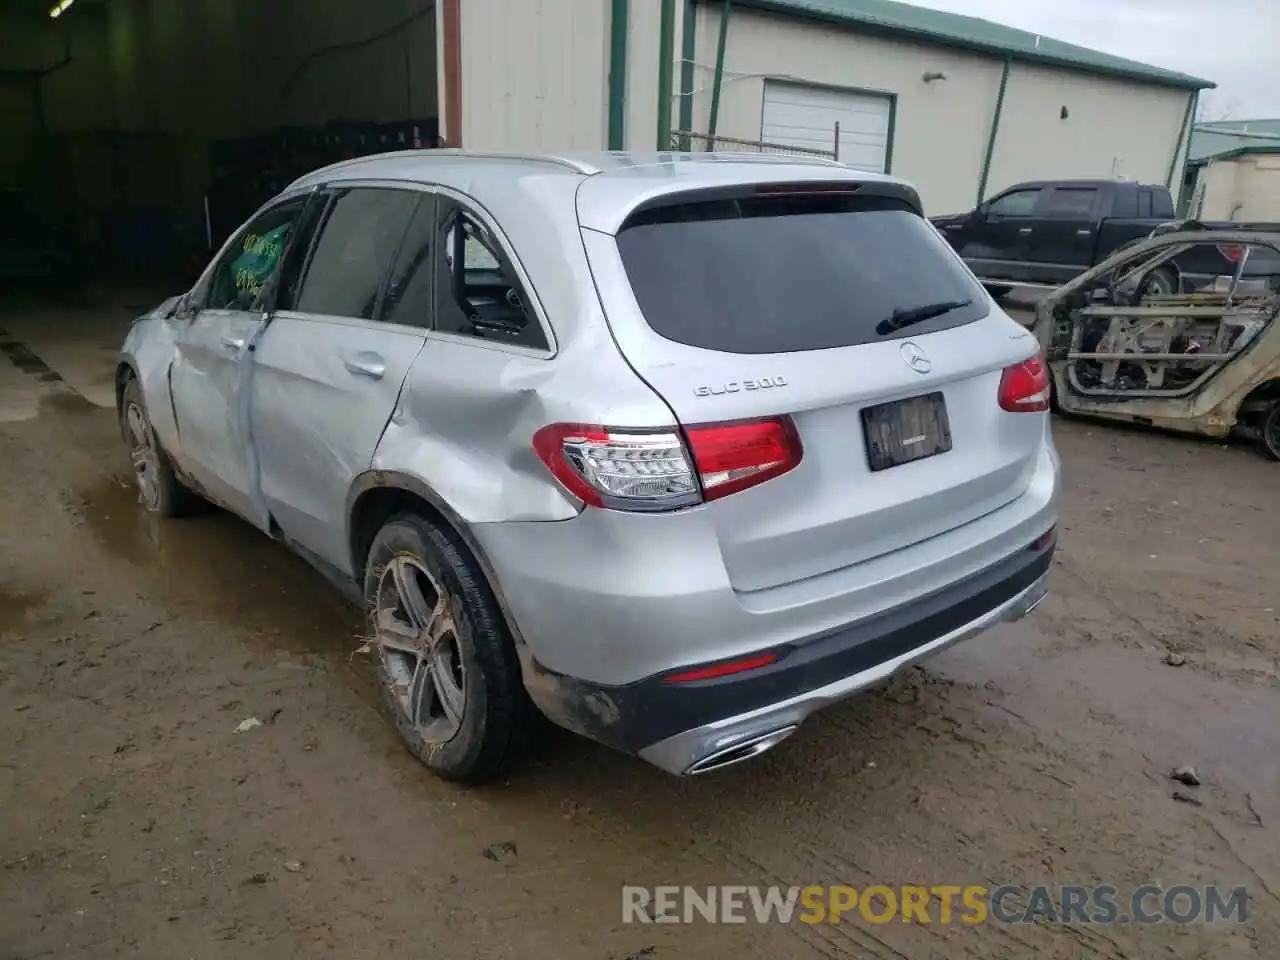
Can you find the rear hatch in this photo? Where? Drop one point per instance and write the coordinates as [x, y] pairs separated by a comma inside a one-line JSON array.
[[849, 314]]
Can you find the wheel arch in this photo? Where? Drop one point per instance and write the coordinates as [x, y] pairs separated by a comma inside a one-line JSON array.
[[1260, 398], [125, 371], [377, 495]]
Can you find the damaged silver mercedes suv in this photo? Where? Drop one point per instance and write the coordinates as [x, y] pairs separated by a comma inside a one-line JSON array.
[[674, 448]]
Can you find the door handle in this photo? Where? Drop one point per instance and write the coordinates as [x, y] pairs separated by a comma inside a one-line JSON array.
[[1084, 233], [1024, 230], [366, 365], [235, 344]]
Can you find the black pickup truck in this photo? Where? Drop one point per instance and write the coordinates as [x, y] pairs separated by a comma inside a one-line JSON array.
[[1049, 232]]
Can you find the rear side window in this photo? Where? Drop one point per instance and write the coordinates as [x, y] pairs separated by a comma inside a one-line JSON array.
[[1125, 204], [359, 240], [1071, 202], [785, 274], [477, 292]]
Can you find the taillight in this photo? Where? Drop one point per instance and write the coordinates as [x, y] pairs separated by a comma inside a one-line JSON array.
[[655, 470], [1232, 252], [733, 456], [1024, 387]]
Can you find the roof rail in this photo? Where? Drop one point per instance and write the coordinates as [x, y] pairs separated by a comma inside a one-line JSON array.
[[754, 156], [443, 153]]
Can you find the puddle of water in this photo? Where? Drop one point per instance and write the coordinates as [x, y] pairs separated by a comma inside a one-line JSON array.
[[15, 605], [217, 566], [65, 403]]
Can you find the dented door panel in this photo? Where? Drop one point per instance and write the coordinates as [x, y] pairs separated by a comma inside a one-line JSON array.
[[323, 389], [206, 383]]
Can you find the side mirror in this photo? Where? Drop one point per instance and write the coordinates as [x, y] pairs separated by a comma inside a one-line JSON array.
[[981, 211], [185, 308]]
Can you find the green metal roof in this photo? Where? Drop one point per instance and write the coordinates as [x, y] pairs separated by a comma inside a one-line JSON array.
[[1254, 149], [972, 33], [1211, 140]]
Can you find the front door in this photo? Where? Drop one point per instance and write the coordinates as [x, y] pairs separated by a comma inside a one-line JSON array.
[[327, 370], [998, 244], [1064, 237], [212, 349]]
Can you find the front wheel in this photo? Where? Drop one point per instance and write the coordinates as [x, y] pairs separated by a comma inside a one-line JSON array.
[[159, 489], [445, 662]]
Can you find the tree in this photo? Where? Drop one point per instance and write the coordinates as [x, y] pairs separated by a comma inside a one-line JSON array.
[[1215, 108]]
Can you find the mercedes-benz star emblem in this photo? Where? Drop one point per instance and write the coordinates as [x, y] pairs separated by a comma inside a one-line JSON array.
[[915, 358]]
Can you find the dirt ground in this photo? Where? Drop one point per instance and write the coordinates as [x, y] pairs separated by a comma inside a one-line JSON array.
[[135, 821]]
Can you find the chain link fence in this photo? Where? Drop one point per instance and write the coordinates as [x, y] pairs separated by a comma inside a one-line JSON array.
[[703, 142]]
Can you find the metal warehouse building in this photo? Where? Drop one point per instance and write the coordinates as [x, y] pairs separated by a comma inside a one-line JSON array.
[[153, 127], [960, 106]]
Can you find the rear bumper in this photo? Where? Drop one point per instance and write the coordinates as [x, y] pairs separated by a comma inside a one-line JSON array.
[[744, 735], [694, 727]]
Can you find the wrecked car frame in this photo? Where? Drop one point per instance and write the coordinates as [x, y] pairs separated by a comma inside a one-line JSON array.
[[1203, 359]]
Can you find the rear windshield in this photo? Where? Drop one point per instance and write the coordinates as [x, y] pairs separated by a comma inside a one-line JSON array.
[[783, 274]]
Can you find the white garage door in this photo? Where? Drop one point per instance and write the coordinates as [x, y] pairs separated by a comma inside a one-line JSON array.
[[802, 116]]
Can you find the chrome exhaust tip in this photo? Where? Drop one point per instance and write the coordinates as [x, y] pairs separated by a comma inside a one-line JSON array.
[[738, 752]]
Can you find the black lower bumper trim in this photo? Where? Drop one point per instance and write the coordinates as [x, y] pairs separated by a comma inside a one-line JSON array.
[[650, 710]]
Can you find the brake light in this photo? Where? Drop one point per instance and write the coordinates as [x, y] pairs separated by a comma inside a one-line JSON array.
[[649, 470], [733, 456], [1232, 252], [1024, 387]]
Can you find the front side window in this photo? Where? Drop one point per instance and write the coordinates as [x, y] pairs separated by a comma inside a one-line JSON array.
[[253, 257], [359, 239], [477, 292], [1019, 203]]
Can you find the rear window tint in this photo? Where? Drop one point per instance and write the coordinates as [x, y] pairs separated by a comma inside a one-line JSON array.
[[785, 274]]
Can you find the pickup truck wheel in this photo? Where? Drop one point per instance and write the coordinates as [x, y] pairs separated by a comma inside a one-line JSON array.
[[1160, 282], [444, 659], [1271, 430]]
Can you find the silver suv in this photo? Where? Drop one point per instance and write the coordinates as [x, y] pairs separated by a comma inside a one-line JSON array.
[[677, 449]]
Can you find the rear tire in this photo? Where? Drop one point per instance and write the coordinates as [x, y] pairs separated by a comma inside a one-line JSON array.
[[444, 660], [159, 489], [1160, 282], [1270, 430]]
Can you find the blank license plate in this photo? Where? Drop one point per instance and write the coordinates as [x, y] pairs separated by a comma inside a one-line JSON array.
[[906, 430]]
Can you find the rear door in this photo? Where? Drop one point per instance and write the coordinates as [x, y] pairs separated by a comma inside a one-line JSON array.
[[802, 306], [998, 242], [328, 369], [1065, 231]]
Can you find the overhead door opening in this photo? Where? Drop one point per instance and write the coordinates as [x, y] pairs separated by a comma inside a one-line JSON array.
[[855, 125], [159, 126]]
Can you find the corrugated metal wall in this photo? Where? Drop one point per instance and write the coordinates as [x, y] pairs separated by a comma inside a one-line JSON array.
[[534, 74], [942, 127]]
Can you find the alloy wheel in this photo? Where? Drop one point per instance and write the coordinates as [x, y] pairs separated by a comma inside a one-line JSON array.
[[142, 453], [417, 639]]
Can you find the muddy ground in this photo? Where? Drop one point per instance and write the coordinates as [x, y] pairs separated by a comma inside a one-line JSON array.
[[135, 822]]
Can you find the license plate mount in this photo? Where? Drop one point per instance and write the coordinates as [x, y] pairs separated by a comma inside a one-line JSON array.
[[904, 431]]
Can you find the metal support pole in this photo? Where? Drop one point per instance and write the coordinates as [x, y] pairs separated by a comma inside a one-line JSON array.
[[995, 129], [666, 64], [1182, 139], [618, 14], [718, 81], [836, 142]]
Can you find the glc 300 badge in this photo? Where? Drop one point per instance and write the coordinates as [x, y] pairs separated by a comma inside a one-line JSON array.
[[737, 386]]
